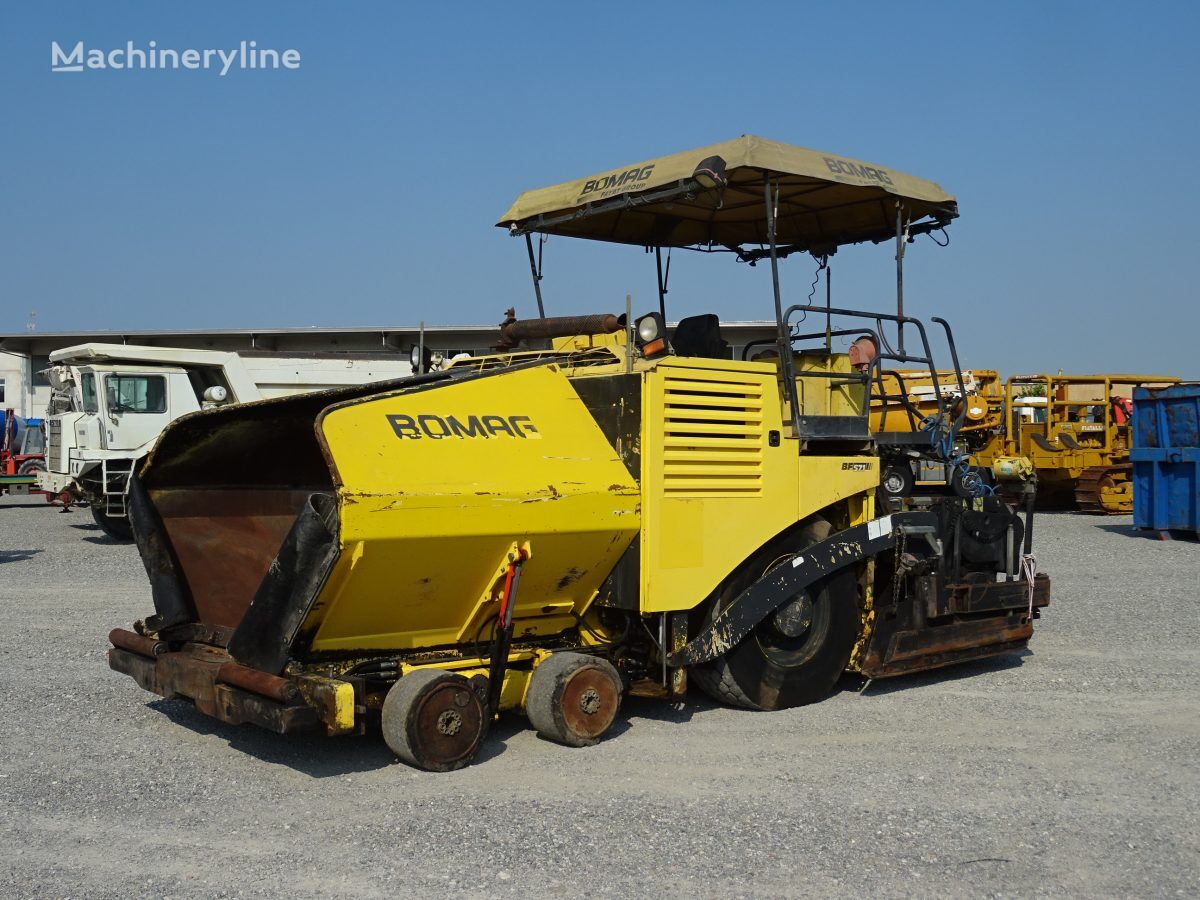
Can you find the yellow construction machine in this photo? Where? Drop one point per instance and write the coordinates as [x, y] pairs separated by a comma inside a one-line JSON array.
[[549, 528], [905, 401], [1075, 432]]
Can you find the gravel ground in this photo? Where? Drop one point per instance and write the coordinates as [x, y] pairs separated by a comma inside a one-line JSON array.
[[1072, 770]]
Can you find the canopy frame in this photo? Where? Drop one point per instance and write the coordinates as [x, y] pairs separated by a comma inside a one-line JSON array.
[[903, 209]]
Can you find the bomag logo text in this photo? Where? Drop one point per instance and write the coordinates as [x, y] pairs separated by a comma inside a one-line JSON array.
[[438, 427], [606, 185], [857, 170]]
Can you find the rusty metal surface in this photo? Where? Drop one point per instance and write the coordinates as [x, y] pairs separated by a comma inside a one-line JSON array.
[[446, 724], [590, 702], [512, 332], [898, 651], [191, 674], [136, 643], [225, 541], [279, 689], [994, 596], [940, 659], [200, 633]]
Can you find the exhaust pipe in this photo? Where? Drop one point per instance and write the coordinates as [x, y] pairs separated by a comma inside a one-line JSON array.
[[512, 332]]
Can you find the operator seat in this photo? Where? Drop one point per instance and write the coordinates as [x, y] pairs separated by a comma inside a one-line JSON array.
[[700, 336]]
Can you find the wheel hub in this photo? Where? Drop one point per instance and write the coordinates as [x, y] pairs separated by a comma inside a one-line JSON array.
[[449, 722], [794, 618], [446, 725], [589, 702]]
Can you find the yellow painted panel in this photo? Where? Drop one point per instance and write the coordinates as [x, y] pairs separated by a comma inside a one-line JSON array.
[[435, 487], [710, 502]]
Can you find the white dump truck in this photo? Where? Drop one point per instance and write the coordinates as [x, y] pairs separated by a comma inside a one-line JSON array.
[[111, 401]]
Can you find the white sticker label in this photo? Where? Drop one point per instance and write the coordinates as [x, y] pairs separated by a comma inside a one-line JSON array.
[[797, 560], [877, 528]]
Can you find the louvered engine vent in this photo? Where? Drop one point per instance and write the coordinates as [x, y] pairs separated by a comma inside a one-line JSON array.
[[712, 438]]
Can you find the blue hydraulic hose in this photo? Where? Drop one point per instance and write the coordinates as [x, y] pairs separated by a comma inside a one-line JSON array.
[[961, 462]]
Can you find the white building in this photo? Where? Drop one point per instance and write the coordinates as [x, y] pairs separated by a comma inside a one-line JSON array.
[[24, 354]]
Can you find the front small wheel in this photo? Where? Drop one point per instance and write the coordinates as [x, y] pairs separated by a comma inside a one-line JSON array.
[[433, 720], [573, 698]]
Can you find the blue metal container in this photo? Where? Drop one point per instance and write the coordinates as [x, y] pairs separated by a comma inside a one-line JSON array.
[[1166, 458]]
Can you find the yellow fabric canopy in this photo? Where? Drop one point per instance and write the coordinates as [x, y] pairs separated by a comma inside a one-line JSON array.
[[825, 200]]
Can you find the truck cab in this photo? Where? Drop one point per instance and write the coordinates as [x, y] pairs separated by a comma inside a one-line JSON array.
[[104, 418], [112, 401]]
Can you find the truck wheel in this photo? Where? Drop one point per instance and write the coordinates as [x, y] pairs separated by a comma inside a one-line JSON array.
[[897, 481], [795, 655], [974, 483], [30, 466], [573, 698], [116, 527], [433, 720]]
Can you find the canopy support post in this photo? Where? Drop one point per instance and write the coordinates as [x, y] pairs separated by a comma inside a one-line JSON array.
[[662, 284], [900, 275], [787, 369], [537, 276], [828, 307]]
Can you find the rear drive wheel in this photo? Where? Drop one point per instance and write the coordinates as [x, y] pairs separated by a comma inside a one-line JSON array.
[[116, 527], [433, 720], [573, 698], [795, 655]]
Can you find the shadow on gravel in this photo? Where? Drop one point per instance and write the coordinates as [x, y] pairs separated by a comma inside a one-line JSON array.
[[105, 541], [7, 556], [322, 757], [1149, 534], [310, 754], [657, 710], [315, 754], [956, 672]]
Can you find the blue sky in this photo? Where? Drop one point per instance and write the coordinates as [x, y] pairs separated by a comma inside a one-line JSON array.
[[362, 188]]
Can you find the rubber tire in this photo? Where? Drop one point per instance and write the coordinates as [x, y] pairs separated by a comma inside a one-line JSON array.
[[543, 698], [960, 490], [116, 527], [905, 474], [30, 466], [745, 677], [399, 702]]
